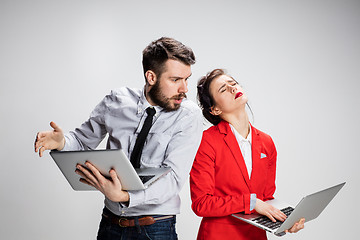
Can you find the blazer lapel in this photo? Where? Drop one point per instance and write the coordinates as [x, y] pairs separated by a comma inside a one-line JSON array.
[[257, 166], [234, 148]]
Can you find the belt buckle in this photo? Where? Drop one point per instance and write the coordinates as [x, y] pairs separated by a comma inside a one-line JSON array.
[[122, 219]]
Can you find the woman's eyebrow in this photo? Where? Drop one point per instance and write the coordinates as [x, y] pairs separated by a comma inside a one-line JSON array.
[[222, 86], [228, 81]]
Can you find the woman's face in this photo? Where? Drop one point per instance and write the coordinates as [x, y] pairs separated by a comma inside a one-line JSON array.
[[227, 94]]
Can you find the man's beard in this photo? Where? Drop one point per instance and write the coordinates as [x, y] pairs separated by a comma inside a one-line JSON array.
[[158, 98]]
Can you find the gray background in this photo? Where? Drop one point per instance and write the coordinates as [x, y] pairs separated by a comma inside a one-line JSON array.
[[297, 60]]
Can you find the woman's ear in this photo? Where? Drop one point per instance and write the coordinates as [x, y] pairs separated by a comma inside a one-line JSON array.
[[215, 111], [150, 77]]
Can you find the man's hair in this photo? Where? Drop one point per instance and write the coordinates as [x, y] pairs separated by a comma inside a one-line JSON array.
[[159, 51]]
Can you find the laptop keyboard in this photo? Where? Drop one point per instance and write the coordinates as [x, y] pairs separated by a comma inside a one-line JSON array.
[[265, 221], [146, 178]]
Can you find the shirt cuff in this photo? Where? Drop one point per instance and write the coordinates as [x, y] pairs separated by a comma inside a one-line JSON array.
[[124, 204], [252, 201], [136, 198], [67, 145]]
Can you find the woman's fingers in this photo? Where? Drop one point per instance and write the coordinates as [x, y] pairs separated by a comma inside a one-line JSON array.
[[269, 211], [297, 226], [279, 215], [269, 215]]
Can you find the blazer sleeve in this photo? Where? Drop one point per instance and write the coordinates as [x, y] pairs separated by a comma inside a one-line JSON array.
[[205, 203]]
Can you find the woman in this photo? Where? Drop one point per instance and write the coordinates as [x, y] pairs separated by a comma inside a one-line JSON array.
[[234, 168]]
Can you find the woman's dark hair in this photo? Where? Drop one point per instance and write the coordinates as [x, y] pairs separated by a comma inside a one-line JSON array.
[[159, 51], [205, 99]]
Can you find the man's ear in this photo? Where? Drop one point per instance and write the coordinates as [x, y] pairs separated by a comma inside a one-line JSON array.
[[150, 77], [215, 111]]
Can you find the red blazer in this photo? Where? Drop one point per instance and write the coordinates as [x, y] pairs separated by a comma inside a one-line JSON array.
[[220, 184]]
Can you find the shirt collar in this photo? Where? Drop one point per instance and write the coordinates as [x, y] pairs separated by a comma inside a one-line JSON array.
[[143, 104], [239, 136]]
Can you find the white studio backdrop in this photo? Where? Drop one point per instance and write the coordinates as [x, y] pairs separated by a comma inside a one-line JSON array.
[[297, 60]]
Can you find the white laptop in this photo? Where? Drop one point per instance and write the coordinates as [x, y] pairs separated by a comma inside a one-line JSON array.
[[104, 161], [309, 208]]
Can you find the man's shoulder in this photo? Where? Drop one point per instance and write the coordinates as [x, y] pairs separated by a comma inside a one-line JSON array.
[[188, 106], [123, 95], [126, 92], [189, 114]]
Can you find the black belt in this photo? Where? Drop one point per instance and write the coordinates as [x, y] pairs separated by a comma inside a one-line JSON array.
[[131, 221]]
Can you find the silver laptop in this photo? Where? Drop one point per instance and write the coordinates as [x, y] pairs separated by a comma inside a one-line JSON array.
[[309, 208], [104, 161]]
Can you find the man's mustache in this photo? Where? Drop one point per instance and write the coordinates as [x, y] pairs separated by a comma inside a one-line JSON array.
[[179, 96]]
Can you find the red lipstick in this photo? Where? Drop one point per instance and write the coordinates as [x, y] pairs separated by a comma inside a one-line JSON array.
[[239, 94]]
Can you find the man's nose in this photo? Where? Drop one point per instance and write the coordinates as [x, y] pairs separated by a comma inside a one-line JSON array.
[[183, 87]]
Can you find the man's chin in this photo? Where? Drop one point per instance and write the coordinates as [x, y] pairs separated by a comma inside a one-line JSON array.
[[169, 105], [172, 107]]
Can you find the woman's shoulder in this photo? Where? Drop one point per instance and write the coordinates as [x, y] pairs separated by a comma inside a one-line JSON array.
[[258, 131], [263, 136], [209, 135], [215, 133], [212, 130]]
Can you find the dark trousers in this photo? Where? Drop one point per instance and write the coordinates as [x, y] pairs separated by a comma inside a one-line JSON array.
[[161, 230]]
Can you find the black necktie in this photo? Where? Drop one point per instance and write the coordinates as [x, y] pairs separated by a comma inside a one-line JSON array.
[[139, 144]]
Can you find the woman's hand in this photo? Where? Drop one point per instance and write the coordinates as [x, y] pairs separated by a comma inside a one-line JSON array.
[[111, 188], [273, 213], [268, 210], [297, 226]]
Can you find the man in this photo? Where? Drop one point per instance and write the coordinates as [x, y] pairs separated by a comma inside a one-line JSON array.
[[173, 140]]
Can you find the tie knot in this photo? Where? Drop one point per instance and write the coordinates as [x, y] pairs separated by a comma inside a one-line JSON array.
[[150, 111]]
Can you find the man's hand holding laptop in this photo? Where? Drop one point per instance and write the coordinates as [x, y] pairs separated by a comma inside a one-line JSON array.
[[111, 188]]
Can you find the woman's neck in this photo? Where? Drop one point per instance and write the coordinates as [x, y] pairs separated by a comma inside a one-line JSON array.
[[240, 121]]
